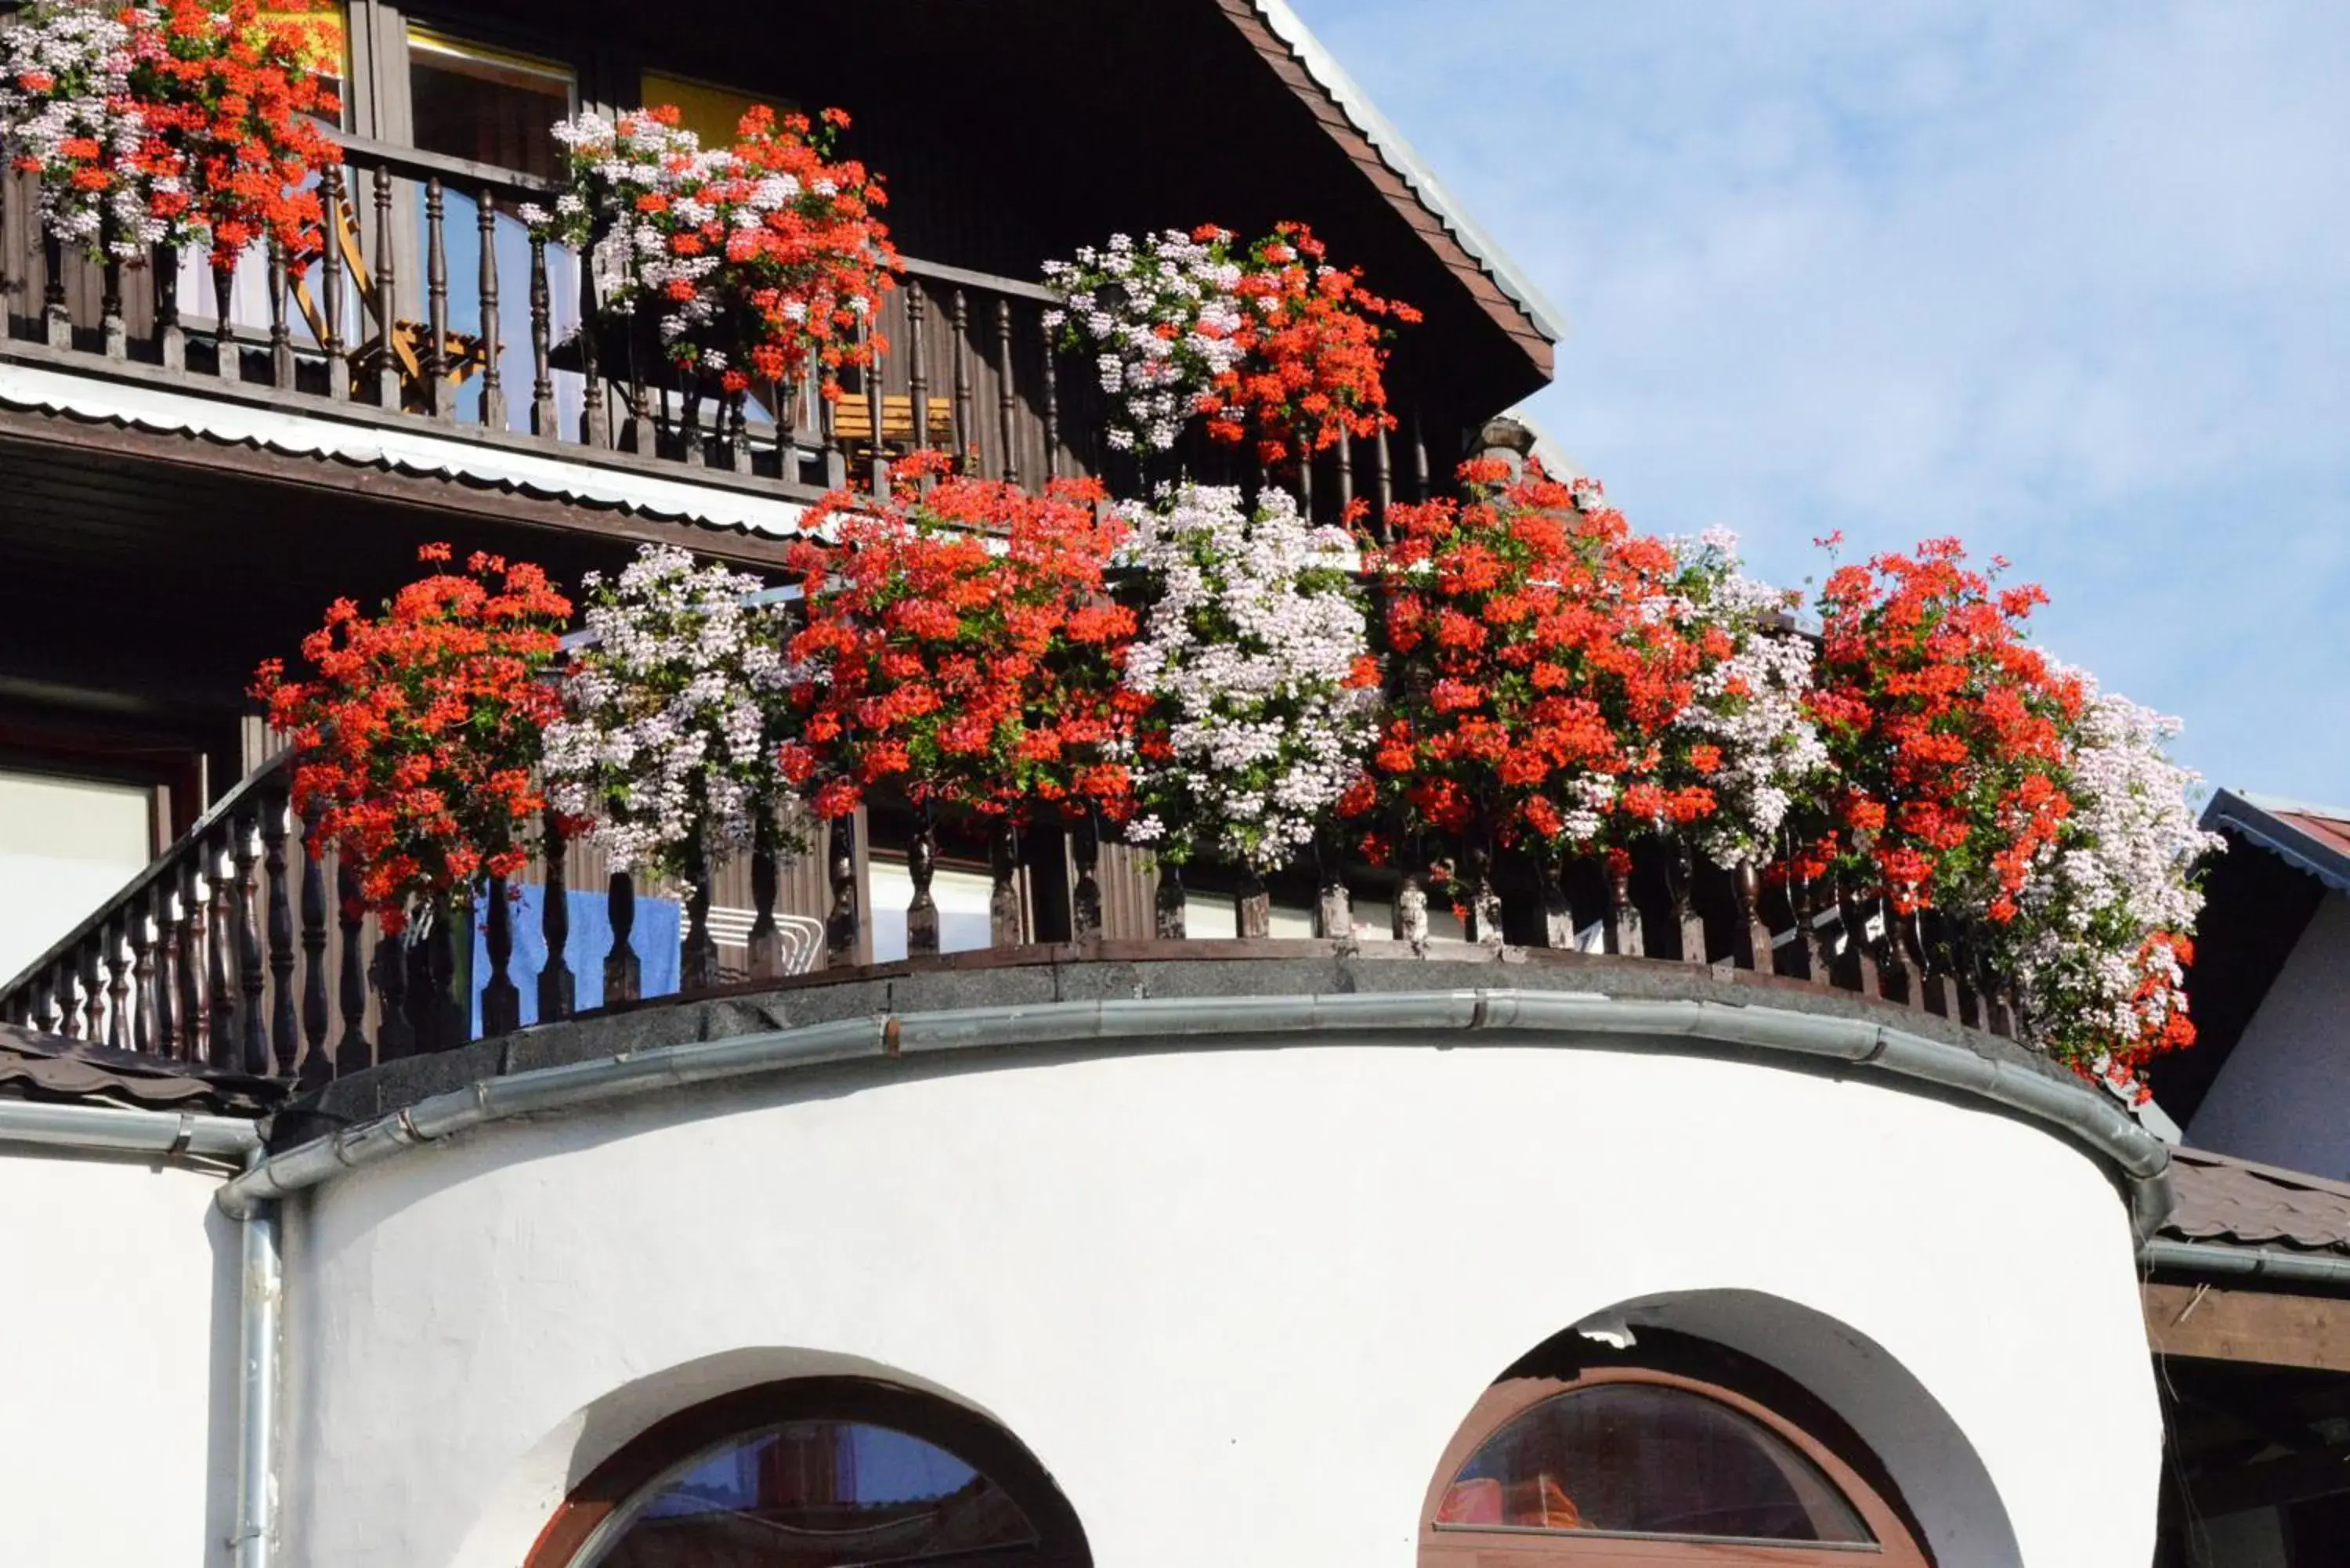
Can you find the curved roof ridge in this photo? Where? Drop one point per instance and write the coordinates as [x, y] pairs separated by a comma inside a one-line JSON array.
[[1408, 165]]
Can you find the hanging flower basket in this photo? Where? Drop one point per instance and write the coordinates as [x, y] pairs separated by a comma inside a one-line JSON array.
[[760, 262], [191, 123]]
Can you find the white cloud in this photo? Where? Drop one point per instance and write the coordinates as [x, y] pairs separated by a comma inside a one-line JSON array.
[[2072, 280]]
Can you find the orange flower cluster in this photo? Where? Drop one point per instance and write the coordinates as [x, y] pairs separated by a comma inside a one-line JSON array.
[[235, 100], [1948, 731], [959, 648], [1537, 662], [191, 123], [1313, 357], [420, 729]]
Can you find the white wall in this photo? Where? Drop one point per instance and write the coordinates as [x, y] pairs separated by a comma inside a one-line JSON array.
[[1236, 1302], [117, 1297], [2283, 1097]]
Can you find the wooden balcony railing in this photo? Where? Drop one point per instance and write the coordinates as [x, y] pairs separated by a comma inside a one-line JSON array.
[[433, 302], [242, 950]]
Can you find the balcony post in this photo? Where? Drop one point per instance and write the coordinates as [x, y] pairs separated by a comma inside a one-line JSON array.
[[494, 389], [330, 260], [623, 971], [542, 375], [171, 1022], [593, 430], [1086, 894], [844, 927], [253, 1038], [501, 998], [315, 1068], [220, 962], [1006, 922], [146, 1019], [283, 1036], [351, 1048], [1334, 910], [699, 971], [115, 935], [1167, 903], [281, 335], [1755, 945], [170, 338], [557, 990], [115, 335], [228, 360], [56, 326], [386, 299], [437, 401], [922, 908], [1625, 938], [767, 943], [1485, 922], [394, 1037]]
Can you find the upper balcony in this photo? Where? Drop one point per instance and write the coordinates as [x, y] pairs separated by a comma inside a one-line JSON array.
[[436, 344]]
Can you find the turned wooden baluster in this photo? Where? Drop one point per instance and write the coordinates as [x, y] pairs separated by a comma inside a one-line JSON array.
[[922, 910], [1869, 980], [448, 1017], [1680, 884], [220, 962], [1625, 936], [116, 952], [1252, 906], [1484, 924], [338, 375], [844, 926], [1052, 412], [501, 998], [738, 432], [56, 325], [1345, 455], [351, 992], [1306, 485], [227, 362], [1558, 913], [46, 1017], [542, 343], [1410, 914], [624, 978], [282, 1029], [281, 335], [170, 337], [1007, 924], [1334, 909], [1418, 456], [93, 990], [494, 386], [874, 409], [918, 362], [386, 296], [688, 431], [698, 971], [1167, 903], [966, 417], [835, 459], [394, 1036], [113, 332], [170, 1022], [1964, 974], [1007, 392], [593, 426], [316, 1067], [253, 1037], [766, 944], [1382, 484], [437, 399], [1086, 894], [1755, 947], [146, 1034], [1934, 992], [557, 989], [1819, 964]]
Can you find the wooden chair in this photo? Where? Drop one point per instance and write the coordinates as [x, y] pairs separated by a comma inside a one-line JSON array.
[[852, 423], [464, 354]]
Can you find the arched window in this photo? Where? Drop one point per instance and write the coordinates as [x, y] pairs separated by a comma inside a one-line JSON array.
[[825, 1472], [1631, 1467]]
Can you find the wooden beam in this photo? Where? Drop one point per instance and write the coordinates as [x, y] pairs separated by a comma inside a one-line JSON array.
[[2206, 1322]]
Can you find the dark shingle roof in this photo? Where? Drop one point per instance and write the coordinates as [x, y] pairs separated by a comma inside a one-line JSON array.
[[2235, 1203], [55, 1071]]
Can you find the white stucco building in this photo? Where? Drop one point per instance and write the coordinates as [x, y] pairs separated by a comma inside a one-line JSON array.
[[1142, 1265]]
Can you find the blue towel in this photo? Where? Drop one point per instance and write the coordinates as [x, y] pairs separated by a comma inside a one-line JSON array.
[[660, 922]]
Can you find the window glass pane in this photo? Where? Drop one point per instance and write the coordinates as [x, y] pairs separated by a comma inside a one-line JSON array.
[[1643, 1459], [66, 846], [814, 1494], [491, 106]]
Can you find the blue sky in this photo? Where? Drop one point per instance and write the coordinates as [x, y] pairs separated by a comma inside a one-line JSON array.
[[2069, 280]]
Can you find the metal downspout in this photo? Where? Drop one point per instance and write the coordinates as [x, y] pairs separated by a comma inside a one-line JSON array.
[[263, 1293], [182, 1134]]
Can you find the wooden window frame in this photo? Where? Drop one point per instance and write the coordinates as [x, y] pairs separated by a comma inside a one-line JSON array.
[[967, 1435], [1469, 1546]]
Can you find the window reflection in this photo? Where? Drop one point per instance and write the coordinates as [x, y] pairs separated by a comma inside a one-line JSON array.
[[1647, 1459], [814, 1494], [486, 105]]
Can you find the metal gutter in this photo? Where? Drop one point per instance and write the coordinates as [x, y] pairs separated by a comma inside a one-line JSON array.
[[2255, 1262], [103, 1129], [1408, 165], [1818, 1041]]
